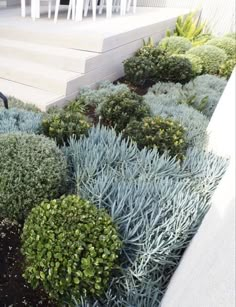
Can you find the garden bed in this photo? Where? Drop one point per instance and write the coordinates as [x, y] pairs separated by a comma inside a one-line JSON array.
[[111, 189]]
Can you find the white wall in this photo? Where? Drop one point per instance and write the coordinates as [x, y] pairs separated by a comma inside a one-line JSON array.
[[220, 14], [206, 274]]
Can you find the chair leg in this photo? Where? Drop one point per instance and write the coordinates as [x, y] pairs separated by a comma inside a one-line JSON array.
[[56, 10], [79, 10], [109, 8], [128, 5], [134, 6], [69, 10], [122, 7], [23, 8], [101, 6], [86, 7], [94, 9], [33, 8], [37, 8], [49, 8]]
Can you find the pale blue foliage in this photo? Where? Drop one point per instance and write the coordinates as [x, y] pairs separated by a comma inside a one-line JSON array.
[[156, 202], [208, 86], [195, 123], [14, 120], [204, 86], [96, 97]]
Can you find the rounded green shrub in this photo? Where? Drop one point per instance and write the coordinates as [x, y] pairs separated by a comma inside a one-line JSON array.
[[174, 69], [32, 169], [212, 57], [141, 68], [225, 43], [14, 120], [70, 248], [231, 35], [227, 68], [164, 134], [63, 125], [175, 44], [118, 110], [195, 61]]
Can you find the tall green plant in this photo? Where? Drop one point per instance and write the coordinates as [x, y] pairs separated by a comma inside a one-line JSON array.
[[190, 28]]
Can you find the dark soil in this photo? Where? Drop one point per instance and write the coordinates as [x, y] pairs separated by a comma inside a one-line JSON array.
[[140, 90], [14, 290]]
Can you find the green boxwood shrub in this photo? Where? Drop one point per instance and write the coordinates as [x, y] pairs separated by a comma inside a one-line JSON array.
[[174, 69], [32, 169], [225, 43], [13, 120], [164, 134], [195, 61], [70, 248], [227, 68], [175, 44], [64, 124], [118, 110], [212, 57]]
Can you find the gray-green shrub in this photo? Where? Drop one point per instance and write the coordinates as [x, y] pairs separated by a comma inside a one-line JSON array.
[[14, 120], [175, 44], [32, 169], [212, 57]]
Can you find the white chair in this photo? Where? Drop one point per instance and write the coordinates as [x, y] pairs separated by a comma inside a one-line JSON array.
[[134, 5], [90, 4], [71, 8], [116, 5]]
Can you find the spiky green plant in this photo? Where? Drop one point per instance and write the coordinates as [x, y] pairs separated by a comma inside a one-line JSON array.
[[190, 28]]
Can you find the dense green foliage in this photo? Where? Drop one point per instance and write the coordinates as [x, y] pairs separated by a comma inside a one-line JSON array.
[[141, 68], [118, 110], [32, 169], [166, 105], [156, 202], [195, 61], [212, 57], [190, 28], [174, 69], [231, 35], [15, 119], [227, 68], [70, 248], [175, 44], [225, 43], [64, 124], [164, 134]]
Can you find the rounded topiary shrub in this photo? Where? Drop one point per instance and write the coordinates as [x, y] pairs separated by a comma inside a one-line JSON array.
[[227, 68], [32, 169], [195, 61], [174, 69], [225, 43], [212, 57], [175, 44], [14, 120], [65, 124], [118, 110], [164, 134], [70, 248]]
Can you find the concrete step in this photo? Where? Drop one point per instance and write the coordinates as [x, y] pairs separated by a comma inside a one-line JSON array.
[[60, 58], [39, 76], [29, 94]]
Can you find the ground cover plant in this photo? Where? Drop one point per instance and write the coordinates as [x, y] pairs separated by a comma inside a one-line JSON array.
[[136, 177]]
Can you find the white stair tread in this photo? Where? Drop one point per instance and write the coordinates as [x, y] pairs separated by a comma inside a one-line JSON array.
[[36, 75], [79, 55], [28, 94]]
